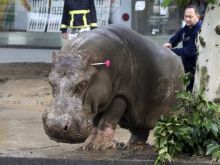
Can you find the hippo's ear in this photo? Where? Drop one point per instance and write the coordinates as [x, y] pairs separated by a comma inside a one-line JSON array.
[[87, 56], [54, 58]]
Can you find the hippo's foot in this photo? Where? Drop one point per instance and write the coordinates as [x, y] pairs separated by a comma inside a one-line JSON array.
[[139, 146], [95, 145], [137, 141], [100, 140]]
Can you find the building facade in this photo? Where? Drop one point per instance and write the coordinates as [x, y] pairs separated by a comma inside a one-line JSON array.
[[36, 23]]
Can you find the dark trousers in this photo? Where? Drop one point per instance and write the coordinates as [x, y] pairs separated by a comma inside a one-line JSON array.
[[189, 64]]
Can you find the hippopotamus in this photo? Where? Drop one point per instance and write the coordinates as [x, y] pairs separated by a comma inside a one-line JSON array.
[[106, 77]]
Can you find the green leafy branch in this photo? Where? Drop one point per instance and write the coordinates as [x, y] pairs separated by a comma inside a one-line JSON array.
[[193, 128]]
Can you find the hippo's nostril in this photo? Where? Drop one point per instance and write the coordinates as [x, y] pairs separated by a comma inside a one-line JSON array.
[[88, 124], [66, 126]]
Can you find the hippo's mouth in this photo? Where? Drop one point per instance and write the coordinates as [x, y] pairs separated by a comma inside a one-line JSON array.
[[65, 137], [66, 131]]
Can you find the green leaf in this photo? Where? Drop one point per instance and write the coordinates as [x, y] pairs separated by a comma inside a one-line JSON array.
[[215, 129], [178, 147], [168, 157], [195, 117], [207, 124], [164, 133], [169, 124], [216, 156], [212, 1], [163, 150], [212, 148], [170, 131], [163, 141]]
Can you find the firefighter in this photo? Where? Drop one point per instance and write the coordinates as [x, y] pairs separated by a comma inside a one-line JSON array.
[[78, 16]]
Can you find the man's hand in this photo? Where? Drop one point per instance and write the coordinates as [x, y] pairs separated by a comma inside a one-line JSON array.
[[167, 45]]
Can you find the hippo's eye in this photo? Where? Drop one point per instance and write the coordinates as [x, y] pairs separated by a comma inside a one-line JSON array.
[[80, 87], [53, 83]]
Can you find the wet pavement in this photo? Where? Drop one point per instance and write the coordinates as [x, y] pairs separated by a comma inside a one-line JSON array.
[[23, 141]]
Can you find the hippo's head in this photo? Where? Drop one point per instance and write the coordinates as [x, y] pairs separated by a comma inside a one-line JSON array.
[[79, 90]]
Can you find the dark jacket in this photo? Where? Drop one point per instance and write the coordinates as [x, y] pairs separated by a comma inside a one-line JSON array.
[[78, 14], [188, 37], [188, 52]]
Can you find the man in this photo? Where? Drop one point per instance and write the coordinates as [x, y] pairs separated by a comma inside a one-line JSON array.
[[188, 36], [78, 16]]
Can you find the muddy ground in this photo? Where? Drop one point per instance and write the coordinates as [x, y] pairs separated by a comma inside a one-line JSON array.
[[24, 85]]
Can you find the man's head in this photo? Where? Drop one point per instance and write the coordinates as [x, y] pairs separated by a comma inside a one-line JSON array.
[[191, 15]]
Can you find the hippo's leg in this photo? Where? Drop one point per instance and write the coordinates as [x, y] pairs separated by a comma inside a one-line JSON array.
[[102, 136], [138, 139]]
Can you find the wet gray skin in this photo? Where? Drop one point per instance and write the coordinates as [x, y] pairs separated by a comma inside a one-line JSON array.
[[90, 101]]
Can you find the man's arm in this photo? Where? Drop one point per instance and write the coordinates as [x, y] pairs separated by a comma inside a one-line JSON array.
[[188, 51], [174, 40], [189, 47]]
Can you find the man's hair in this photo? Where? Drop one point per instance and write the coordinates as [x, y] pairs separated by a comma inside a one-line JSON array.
[[193, 7]]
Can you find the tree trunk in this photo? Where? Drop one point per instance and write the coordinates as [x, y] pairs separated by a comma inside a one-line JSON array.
[[208, 63]]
